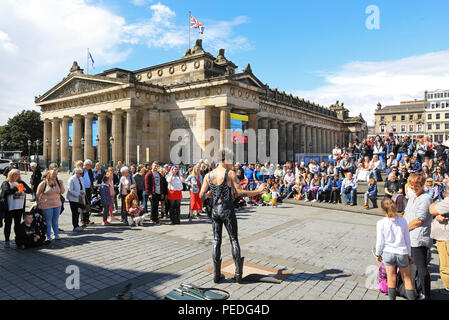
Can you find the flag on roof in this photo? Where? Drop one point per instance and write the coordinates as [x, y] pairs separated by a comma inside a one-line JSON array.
[[196, 24]]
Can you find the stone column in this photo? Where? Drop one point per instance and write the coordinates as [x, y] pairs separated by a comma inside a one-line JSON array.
[[252, 124], [103, 142], [274, 125], [264, 124], [47, 135], [117, 134], [303, 139], [65, 142], [89, 151], [282, 141], [55, 134], [225, 124], [164, 145], [296, 140], [323, 141], [314, 140], [290, 148], [309, 140], [131, 137], [77, 135]]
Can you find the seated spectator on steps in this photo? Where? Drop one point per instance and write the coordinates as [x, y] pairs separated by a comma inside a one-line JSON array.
[[323, 194], [346, 165], [289, 182], [335, 188], [415, 166], [28, 233], [349, 190], [363, 172], [375, 168], [394, 191], [371, 193]]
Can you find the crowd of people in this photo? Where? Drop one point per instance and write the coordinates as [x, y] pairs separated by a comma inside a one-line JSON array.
[[414, 174]]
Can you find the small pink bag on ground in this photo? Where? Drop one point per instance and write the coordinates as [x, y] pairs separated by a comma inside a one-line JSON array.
[[382, 282]]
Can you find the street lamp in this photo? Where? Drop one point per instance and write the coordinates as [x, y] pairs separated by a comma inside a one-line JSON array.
[[29, 150], [82, 148], [96, 149], [57, 144], [46, 145], [2, 144], [70, 154], [111, 140], [37, 142]]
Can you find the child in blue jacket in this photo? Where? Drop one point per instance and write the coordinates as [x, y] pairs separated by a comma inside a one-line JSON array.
[[371, 193], [106, 200], [335, 189]]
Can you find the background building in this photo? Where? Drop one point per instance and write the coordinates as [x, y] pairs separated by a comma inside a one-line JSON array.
[[129, 115], [407, 118], [437, 114]]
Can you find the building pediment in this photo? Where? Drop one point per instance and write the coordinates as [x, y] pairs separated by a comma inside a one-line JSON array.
[[249, 79], [78, 84]]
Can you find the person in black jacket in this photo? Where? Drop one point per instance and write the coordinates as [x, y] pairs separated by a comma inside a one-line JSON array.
[[36, 178], [156, 189], [13, 201], [28, 233], [402, 148], [6, 171]]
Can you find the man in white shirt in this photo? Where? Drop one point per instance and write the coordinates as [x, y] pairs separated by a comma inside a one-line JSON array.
[[289, 181], [349, 190], [336, 153]]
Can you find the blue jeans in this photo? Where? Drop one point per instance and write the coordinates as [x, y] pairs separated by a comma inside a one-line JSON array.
[[399, 156], [52, 220], [350, 197]]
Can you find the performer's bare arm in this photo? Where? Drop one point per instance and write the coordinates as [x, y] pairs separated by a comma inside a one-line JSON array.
[[240, 191], [205, 187]]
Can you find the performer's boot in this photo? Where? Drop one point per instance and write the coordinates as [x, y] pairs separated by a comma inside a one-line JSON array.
[[217, 271], [239, 269]]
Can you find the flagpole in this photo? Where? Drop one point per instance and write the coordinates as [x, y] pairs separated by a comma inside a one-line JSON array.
[[190, 16], [87, 61]]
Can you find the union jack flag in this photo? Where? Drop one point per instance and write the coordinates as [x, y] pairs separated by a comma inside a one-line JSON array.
[[196, 24]]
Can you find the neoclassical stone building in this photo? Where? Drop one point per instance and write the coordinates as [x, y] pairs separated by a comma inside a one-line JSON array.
[[137, 110]]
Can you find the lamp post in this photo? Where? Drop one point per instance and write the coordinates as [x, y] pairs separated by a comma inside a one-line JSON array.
[[70, 154], [111, 140], [57, 144], [82, 148], [96, 149], [46, 158], [2, 144], [37, 142], [29, 150]]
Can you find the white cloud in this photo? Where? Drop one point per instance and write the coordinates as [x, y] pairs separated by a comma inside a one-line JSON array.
[[42, 38], [6, 44], [39, 40], [360, 85], [161, 31]]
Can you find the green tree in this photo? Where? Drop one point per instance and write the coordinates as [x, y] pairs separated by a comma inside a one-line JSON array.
[[24, 126]]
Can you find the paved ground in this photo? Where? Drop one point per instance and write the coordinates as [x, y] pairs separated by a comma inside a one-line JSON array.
[[327, 251]]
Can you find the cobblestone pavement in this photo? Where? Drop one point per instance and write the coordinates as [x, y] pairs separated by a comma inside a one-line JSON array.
[[328, 253]]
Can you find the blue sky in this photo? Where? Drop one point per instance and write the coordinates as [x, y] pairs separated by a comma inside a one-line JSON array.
[[319, 50]]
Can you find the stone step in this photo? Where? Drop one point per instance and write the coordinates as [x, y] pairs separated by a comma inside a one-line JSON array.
[[341, 207]]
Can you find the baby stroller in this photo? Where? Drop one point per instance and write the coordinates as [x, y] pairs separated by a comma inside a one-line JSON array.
[[95, 205]]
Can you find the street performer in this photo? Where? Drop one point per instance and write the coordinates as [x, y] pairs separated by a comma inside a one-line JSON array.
[[222, 183]]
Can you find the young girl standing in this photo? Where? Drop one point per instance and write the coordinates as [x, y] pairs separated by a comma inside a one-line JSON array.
[[393, 248]]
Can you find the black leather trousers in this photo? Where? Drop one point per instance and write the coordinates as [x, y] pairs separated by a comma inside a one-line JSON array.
[[223, 214]]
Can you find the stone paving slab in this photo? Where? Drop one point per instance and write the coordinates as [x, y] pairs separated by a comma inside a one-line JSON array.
[[327, 251]]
